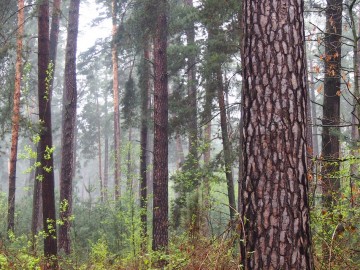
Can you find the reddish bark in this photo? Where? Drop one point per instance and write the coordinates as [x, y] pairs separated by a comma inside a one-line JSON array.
[[275, 210], [15, 117], [160, 182]]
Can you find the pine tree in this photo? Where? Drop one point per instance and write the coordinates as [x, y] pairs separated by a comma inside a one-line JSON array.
[[275, 210]]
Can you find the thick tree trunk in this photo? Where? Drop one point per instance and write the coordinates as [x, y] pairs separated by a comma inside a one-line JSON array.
[[160, 183], [15, 117], [226, 145], [46, 150], [68, 128], [274, 189], [331, 105], [145, 91], [115, 66]]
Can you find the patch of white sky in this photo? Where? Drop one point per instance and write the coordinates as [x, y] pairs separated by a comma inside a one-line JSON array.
[[89, 31]]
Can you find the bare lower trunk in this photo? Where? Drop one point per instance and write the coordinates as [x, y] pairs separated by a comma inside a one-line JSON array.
[[68, 129], [115, 66], [275, 210], [160, 209], [15, 118]]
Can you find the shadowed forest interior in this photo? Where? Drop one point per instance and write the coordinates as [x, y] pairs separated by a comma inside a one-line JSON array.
[[179, 134]]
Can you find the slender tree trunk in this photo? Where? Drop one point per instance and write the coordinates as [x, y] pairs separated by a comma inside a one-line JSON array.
[[106, 150], [115, 66], [15, 118], [46, 152], [99, 152], [37, 203], [68, 128], [354, 168], [275, 206], [226, 145], [160, 211], [192, 94], [313, 113], [145, 90], [54, 35]]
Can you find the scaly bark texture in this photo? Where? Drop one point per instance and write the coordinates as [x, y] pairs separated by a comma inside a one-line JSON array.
[[68, 128], [47, 161], [331, 104], [160, 183], [15, 117], [115, 66], [275, 207]]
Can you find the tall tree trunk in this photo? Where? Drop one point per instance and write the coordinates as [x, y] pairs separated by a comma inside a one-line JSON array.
[[160, 189], [68, 128], [115, 66], [331, 105], [274, 188], [46, 150], [106, 150], [145, 91], [54, 34], [354, 168], [331, 114], [226, 145], [15, 117], [192, 94], [99, 152]]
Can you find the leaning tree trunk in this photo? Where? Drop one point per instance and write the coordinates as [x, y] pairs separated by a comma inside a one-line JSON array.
[[46, 148], [68, 128], [275, 209], [160, 183], [115, 66], [15, 117]]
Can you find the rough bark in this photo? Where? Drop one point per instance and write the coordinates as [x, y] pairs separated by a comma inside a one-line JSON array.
[[15, 117], [115, 66], [331, 104], [274, 189], [47, 162], [160, 182], [68, 128], [145, 91]]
